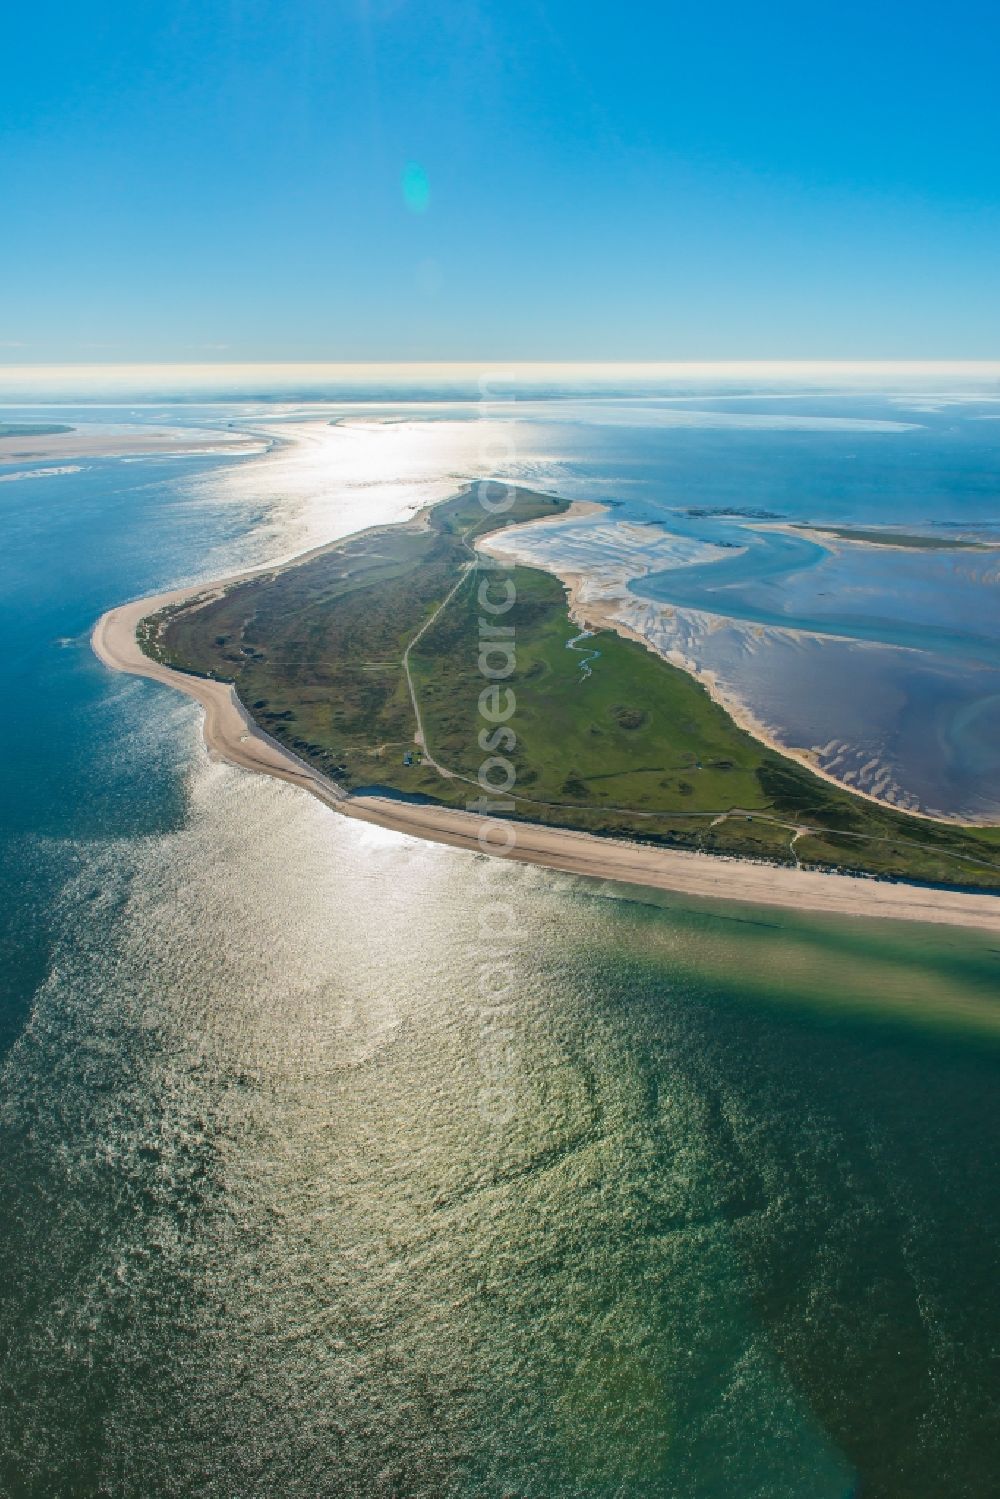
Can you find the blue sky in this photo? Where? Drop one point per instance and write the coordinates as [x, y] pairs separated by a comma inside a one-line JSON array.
[[499, 179]]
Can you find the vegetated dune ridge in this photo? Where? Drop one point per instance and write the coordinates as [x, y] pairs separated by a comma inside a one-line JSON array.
[[231, 733]]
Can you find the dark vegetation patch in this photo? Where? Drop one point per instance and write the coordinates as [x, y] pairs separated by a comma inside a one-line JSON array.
[[628, 718], [32, 429], [793, 791]]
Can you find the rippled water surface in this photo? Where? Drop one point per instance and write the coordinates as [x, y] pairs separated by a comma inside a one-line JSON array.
[[339, 1164]]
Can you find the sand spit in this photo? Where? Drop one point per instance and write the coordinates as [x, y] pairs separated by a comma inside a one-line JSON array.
[[136, 443]]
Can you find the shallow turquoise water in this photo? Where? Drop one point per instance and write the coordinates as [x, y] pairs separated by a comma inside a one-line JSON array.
[[882, 663], [338, 1164], [894, 599]]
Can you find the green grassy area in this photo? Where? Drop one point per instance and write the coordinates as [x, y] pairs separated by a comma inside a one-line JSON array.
[[618, 743], [315, 648], [638, 748]]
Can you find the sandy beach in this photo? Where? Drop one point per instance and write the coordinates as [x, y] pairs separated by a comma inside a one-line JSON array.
[[231, 734], [132, 444]]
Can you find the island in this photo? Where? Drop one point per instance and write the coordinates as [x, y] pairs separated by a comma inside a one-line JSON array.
[[359, 667]]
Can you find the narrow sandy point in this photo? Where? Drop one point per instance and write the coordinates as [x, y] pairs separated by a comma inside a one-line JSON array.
[[80, 443]]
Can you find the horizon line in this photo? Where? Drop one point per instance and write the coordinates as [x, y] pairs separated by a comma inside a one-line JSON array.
[[469, 364]]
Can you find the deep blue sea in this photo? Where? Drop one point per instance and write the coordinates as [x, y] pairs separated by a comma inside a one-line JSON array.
[[713, 1212]]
